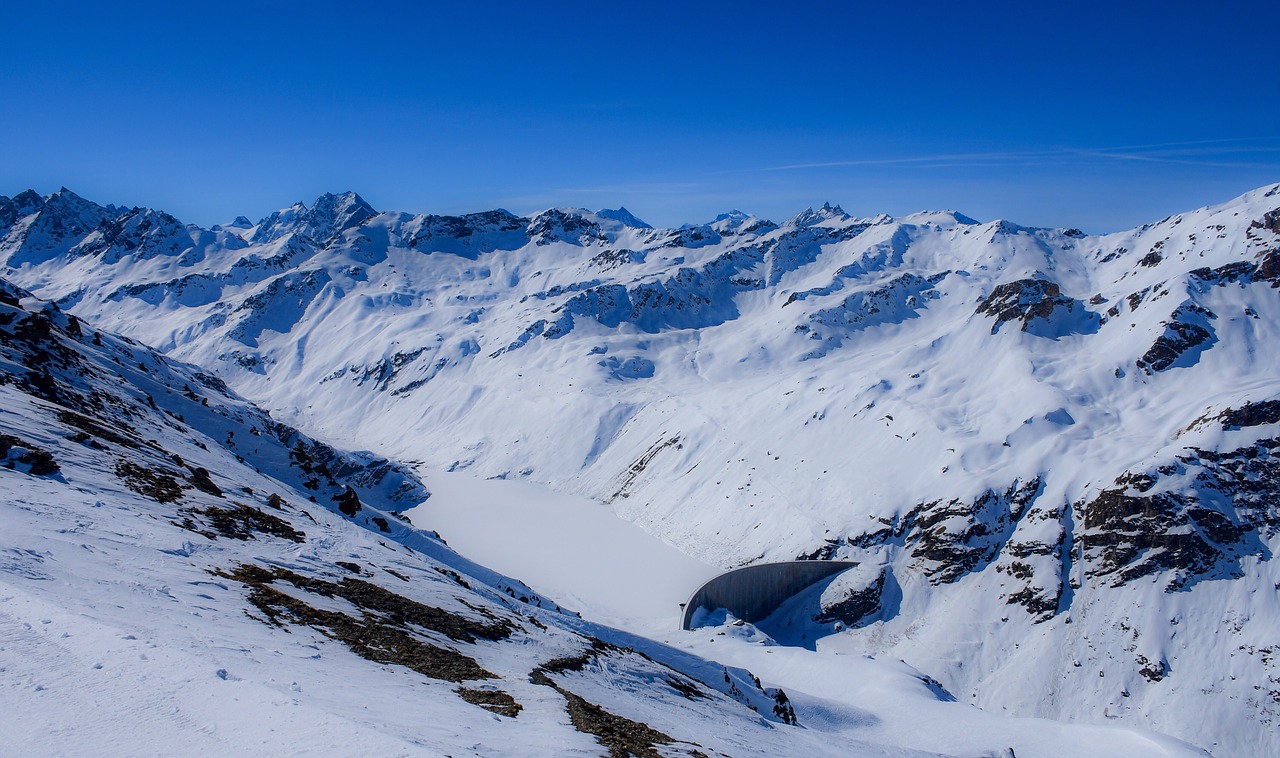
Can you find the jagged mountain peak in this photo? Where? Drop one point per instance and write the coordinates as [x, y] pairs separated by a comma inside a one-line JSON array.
[[66, 201], [325, 220], [28, 196], [737, 222], [732, 215], [54, 225], [810, 217], [285, 216], [20, 205], [624, 217], [331, 214], [65, 194], [239, 222], [342, 204], [997, 418], [576, 226]]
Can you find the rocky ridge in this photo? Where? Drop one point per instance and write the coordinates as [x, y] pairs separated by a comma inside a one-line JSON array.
[[880, 389]]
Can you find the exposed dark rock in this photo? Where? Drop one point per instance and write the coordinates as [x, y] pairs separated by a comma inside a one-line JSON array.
[[558, 226], [824, 553], [201, 481], [465, 235], [1037, 603], [348, 502], [783, 709], [1036, 304], [621, 736], [1197, 524], [1153, 671], [949, 539], [240, 522], [1270, 220], [1240, 271], [954, 538], [856, 604], [1187, 333], [158, 484], [1035, 566], [611, 259], [1269, 267], [687, 688], [382, 635], [533, 330], [1251, 414], [640, 464], [691, 298], [88, 425], [495, 701], [454, 575], [38, 462]]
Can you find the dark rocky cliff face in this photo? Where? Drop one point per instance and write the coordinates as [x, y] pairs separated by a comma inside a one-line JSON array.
[[1187, 333], [1033, 303], [949, 539], [1193, 518]]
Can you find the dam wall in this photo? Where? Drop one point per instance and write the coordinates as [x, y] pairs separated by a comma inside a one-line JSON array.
[[752, 593]]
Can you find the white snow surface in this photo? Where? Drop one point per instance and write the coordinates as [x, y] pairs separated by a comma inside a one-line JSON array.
[[747, 391], [128, 623], [565, 546]]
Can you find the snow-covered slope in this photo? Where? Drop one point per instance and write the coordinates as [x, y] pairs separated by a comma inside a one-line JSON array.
[[1059, 449], [176, 568]]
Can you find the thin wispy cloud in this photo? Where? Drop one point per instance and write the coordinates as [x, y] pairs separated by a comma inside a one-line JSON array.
[[1186, 153], [655, 188]]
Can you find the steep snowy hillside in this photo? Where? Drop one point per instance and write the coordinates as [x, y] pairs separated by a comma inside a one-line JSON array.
[[1058, 450], [176, 568]]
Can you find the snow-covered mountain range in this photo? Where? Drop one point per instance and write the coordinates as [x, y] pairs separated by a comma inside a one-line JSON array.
[[1054, 454]]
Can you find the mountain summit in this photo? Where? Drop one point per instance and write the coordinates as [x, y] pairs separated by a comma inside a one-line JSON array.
[[623, 216], [1053, 455]]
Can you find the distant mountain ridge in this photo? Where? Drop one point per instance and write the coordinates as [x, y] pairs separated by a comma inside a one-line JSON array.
[[1034, 432], [202, 522]]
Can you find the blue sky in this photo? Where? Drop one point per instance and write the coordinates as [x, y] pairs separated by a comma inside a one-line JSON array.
[[1080, 114]]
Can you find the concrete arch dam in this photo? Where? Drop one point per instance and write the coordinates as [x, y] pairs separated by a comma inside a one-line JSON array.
[[752, 593]]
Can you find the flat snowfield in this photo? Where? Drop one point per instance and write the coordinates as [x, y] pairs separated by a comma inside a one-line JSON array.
[[572, 549], [578, 552]]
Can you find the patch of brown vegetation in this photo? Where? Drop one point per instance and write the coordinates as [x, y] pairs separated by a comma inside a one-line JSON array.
[[687, 689], [200, 480], [157, 484], [396, 609], [621, 736], [496, 701], [384, 639], [86, 424], [241, 522], [39, 462]]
